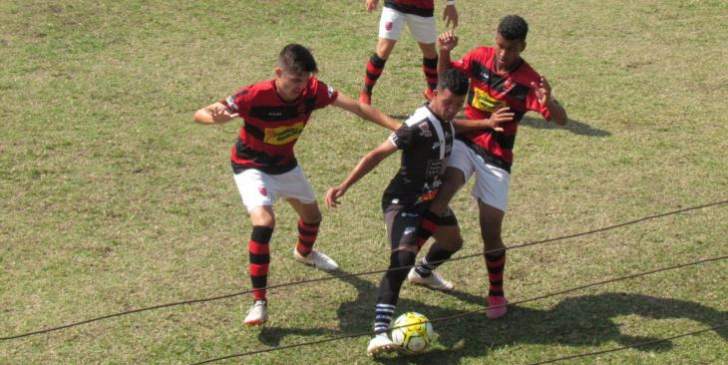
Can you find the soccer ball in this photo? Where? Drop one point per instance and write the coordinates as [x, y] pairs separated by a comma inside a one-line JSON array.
[[412, 332]]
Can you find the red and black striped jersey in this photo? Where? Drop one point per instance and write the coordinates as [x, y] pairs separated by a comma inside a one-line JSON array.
[[425, 8], [272, 125], [490, 91]]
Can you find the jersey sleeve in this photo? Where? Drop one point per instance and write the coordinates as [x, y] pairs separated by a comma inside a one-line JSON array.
[[324, 94], [404, 137], [239, 102], [463, 64], [533, 104]]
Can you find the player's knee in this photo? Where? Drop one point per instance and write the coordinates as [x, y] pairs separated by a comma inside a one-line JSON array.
[[399, 260], [263, 217]]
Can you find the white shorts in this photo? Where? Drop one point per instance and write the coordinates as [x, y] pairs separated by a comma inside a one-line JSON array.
[[258, 188], [392, 21], [491, 182]]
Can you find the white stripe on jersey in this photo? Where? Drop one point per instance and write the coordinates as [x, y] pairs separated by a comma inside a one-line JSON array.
[[425, 113]]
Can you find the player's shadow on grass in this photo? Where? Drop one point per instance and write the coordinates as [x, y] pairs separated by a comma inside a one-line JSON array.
[[587, 321], [576, 321], [573, 126]]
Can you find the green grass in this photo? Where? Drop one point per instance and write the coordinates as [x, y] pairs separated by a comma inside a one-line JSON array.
[[111, 198]]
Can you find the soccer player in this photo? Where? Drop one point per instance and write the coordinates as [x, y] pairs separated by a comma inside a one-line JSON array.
[[503, 87], [419, 17], [265, 168], [426, 141]]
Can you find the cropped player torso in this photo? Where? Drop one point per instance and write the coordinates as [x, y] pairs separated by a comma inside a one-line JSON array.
[[490, 91], [423, 8], [272, 125], [426, 143]]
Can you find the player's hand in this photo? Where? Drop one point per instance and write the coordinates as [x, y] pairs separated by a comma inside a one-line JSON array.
[[447, 41], [500, 117], [219, 112], [543, 90], [371, 5], [333, 195], [450, 16]]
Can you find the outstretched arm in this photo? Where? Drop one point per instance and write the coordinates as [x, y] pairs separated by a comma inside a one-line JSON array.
[[365, 111], [496, 119], [543, 92], [446, 43], [366, 164], [214, 113]]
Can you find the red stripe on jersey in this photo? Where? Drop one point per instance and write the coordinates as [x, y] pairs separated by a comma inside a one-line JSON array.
[[272, 126], [490, 91]]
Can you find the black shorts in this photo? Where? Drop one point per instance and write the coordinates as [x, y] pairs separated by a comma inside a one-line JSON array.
[[402, 222]]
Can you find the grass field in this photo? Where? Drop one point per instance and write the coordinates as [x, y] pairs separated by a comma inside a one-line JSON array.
[[111, 198]]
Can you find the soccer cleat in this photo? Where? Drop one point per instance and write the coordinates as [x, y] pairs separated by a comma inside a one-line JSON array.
[[434, 281], [317, 260], [258, 313], [497, 307], [381, 343], [365, 98], [428, 94]]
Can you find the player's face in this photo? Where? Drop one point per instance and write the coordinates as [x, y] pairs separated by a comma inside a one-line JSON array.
[[290, 84], [446, 104], [507, 52]]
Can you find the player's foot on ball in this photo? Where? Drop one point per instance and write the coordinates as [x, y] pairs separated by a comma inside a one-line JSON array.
[[317, 260], [365, 98], [380, 344], [434, 281], [497, 307], [258, 313], [428, 94]]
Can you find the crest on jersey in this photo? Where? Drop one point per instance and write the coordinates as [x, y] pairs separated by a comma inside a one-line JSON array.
[[425, 130]]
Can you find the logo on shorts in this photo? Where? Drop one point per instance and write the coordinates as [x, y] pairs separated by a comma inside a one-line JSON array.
[[388, 26], [263, 191]]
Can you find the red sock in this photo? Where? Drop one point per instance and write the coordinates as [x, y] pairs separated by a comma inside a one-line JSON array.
[[375, 66], [496, 263], [306, 237], [429, 68], [259, 259]]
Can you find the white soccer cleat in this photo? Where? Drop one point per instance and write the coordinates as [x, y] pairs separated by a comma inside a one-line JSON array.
[[381, 343], [434, 281], [257, 314], [317, 260]]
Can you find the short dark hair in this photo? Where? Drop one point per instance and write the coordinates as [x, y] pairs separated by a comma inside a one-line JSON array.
[[513, 27], [453, 80], [297, 58]]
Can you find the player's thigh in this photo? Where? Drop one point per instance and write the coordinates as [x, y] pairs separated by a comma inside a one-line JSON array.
[[452, 181], [491, 186], [256, 188], [294, 185], [423, 29], [401, 222], [390, 24], [448, 233]]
